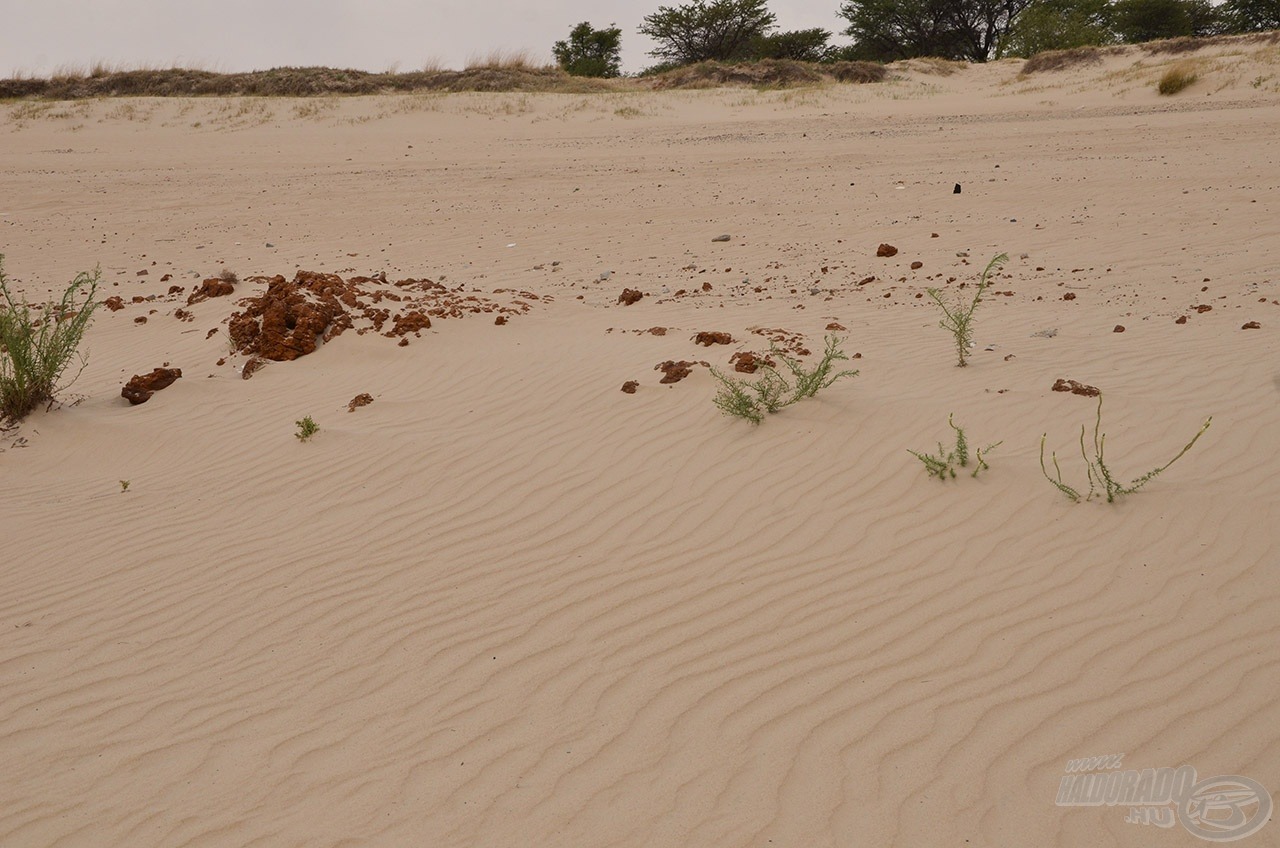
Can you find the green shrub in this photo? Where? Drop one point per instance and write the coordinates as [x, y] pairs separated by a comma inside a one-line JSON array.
[[943, 464], [958, 319], [36, 350], [1100, 474], [772, 391], [307, 428]]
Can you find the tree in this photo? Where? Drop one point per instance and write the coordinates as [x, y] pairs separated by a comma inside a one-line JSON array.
[[590, 52], [1251, 15], [1151, 20], [802, 45], [952, 29], [707, 29], [1059, 25]]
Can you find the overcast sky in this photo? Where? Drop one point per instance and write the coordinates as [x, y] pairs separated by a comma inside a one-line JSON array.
[[39, 36]]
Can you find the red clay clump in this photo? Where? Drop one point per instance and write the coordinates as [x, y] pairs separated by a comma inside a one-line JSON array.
[[212, 287], [674, 372], [630, 387], [1252, 325], [746, 362], [629, 296], [143, 386], [114, 303], [358, 401], [708, 339], [1076, 388], [886, 250]]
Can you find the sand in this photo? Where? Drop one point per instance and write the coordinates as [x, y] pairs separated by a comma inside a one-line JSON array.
[[507, 604]]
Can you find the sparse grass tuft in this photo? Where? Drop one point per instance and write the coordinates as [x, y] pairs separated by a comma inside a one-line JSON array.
[[124, 485], [958, 319], [307, 428], [772, 391], [943, 464], [1177, 78], [36, 350], [228, 276], [1100, 474]]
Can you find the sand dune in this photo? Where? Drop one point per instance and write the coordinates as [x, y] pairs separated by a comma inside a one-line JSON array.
[[508, 604]]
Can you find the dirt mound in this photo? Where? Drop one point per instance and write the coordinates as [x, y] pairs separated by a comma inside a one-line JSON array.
[[1076, 388], [294, 317], [212, 287]]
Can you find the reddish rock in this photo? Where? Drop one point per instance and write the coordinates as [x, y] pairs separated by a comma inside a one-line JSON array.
[[1204, 307], [144, 272], [141, 319], [213, 331], [886, 250], [674, 372], [657, 331], [166, 278], [746, 362], [916, 266], [175, 289], [500, 320], [251, 367], [1069, 296], [212, 287], [183, 315], [706, 287], [291, 317], [629, 296], [630, 387], [1076, 388], [1182, 319], [114, 303], [358, 401], [142, 386], [836, 327], [1252, 325], [410, 322], [1119, 328], [707, 339]]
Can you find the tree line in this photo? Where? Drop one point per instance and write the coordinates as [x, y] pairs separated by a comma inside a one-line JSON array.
[[888, 30]]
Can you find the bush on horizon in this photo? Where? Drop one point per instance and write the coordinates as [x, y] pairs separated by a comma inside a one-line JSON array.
[[590, 52]]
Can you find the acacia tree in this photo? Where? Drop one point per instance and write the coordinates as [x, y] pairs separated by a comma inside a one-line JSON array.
[[802, 45], [707, 29], [1058, 25], [590, 52], [1251, 15], [952, 29]]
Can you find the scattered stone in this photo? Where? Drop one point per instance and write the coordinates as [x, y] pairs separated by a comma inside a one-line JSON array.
[[500, 320], [1069, 296], [1076, 388], [706, 287], [114, 303], [269, 244], [1119, 328], [630, 387], [674, 372], [141, 319], [175, 289], [213, 331], [1204, 307], [410, 322], [358, 401], [251, 367], [629, 296], [886, 250], [212, 287], [933, 235], [956, 190], [1045, 334], [724, 237], [141, 387], [1182, 319], [836, 327], [746, 362], [1252, 325], [183, 315], [707, 339], [916, 266], [144, 272], [657, 331], [166, 278]]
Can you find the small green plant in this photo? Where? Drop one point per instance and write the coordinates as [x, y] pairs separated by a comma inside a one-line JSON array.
[[307, 428], [1178, 77], [36, 350], [958, 319], [772, 391], [943, 464], [124, 485], [1101, 477]]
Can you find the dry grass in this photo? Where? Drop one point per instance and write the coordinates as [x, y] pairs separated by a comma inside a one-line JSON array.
[[511, 71], [1187, 44], [1178, 77], [1060, 60], [767, 73], [931, 65]]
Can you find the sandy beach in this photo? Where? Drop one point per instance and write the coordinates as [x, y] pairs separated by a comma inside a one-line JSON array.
[[507, 604]]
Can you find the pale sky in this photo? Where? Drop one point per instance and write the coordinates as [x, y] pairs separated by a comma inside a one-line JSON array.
[[40, 36]]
